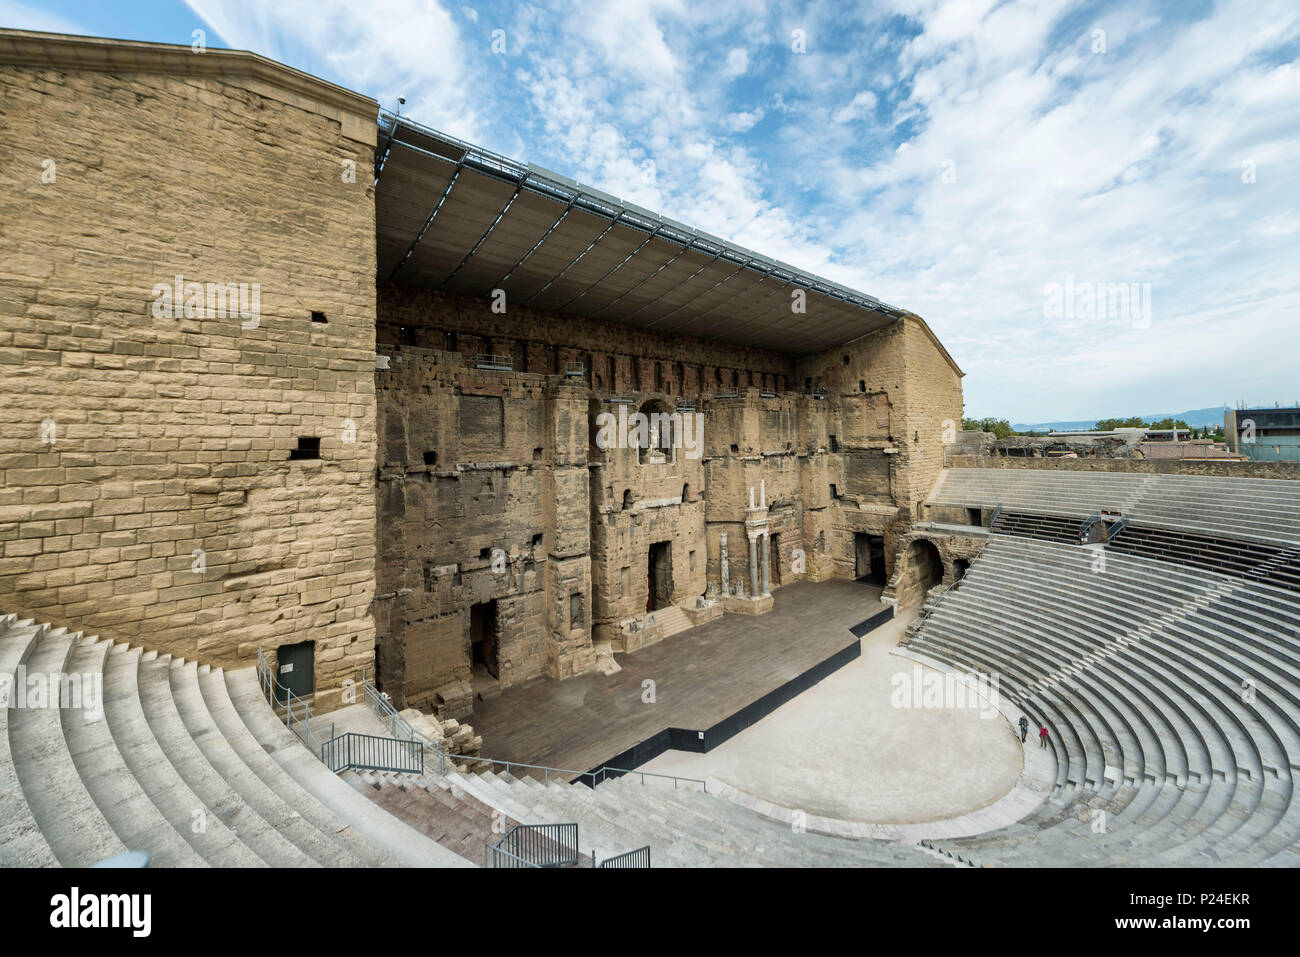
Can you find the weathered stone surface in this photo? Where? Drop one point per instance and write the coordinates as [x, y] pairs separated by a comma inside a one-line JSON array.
[[493, 487], [208, 485], [135, 444]]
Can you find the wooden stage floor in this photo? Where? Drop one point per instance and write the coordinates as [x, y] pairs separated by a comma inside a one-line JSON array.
[[701, 676]]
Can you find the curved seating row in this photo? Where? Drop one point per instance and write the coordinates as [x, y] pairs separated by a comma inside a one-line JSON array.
[[1263, 509], [1172, 698]]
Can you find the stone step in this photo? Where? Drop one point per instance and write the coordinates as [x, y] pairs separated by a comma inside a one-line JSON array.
[[396, 840], [21, 841], [73, 825], [118, 793], [144, 758], [348, 848], [218, 798], [313, 846]]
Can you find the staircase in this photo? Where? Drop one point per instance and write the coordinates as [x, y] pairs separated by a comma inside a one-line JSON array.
[[684, 827], [185, 762], [1051, 528], [672, 620], [439, 808]]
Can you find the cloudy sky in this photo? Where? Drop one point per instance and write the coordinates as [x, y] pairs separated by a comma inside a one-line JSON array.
[[987, 165]]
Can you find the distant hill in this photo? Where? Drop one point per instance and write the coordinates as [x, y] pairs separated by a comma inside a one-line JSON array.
[[1213, 415]]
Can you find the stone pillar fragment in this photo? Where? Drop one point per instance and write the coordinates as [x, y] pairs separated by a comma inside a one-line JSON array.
[[767, 571], [753, 565], [726, 589]]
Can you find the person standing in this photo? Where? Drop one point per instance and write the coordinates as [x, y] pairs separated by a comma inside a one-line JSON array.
[[1024, 728], [1042, 737]]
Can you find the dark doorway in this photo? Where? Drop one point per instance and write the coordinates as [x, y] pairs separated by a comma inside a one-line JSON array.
[[296, 670], [975, 516], [869, 558], [925, 564], [660, 592], [774, 558], [483, 636], [959, 568]]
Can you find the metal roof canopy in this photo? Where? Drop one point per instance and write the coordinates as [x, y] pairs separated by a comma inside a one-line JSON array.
[[454, 217]]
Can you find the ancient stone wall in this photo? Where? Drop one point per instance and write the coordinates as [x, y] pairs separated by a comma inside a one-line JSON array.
[[615, 358], [150, 488], [482, 499], [914, 577], [796, 472], [893, 397], [204, 455]]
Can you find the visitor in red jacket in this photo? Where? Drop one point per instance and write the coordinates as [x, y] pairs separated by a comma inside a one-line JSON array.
[[1042, 737]]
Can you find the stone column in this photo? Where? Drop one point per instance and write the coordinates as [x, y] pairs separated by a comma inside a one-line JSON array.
[[753, 565], [726, 587], [767, 571]]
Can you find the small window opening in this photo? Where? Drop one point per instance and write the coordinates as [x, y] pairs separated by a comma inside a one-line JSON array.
[[308, 448]]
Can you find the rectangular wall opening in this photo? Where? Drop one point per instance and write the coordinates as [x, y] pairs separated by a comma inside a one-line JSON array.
[[660, 591], [869, 558], [308, 448], [484, 639]]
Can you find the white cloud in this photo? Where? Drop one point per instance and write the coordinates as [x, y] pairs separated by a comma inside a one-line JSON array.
[[22, 16], [743, 122], [862, 105], [1123, 166], [386, 48], [737, 62]]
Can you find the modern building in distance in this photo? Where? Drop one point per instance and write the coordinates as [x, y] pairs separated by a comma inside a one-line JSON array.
[[1264, 435]]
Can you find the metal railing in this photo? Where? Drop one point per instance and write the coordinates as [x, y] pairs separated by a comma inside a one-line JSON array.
[[400, 727], [534, 845], [369, 752], [484, 360], [638, 858], [605, 772], [278, 695]]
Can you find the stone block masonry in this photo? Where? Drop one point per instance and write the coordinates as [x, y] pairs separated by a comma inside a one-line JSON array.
[[513, 545], [151, 484], [202, 454]]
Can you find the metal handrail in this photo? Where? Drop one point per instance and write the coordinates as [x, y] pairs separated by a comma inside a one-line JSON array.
[[535, 845], [269, 684], [485, 360], [638, 858], [370, 752], [603, 770], [399, 727], [494, 856]]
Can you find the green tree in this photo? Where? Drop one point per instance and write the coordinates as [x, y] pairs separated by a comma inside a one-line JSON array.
[[1109, 425], [999, 427]]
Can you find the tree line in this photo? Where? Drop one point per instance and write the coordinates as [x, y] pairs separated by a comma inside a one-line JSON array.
[[1002, 428]]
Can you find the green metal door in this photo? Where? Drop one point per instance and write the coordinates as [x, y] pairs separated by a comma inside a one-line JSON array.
[[296, 669]]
